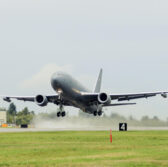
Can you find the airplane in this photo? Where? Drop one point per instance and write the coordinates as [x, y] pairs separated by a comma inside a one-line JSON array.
[[71, 93]]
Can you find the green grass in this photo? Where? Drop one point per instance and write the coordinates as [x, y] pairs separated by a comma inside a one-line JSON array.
[[71, 149]]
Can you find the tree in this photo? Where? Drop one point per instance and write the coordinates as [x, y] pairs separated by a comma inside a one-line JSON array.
[[116, 116], [12, 109], [145, 118], [11, 113], [25, 111], [24, 116], [155, 118]]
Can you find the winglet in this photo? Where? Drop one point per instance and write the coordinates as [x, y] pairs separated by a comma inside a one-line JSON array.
[[98, 83]]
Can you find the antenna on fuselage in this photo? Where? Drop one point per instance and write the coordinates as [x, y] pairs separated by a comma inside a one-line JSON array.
[[98, 83]]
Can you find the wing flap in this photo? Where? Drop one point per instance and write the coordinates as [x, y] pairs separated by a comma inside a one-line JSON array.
[[118, 104]]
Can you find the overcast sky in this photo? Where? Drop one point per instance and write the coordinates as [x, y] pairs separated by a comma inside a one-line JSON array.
[[128, 39]]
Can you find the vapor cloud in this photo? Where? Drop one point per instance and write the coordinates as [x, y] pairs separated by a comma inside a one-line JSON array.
[[42, 78]]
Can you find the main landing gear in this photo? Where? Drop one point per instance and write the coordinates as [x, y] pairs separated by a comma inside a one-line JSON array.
[[61, 114], [99, 113]]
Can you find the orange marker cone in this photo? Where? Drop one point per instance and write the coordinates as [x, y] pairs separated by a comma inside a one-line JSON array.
[[111, 136]]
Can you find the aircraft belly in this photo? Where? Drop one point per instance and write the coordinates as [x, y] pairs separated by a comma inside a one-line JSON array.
[[73, 99], [77, 101], [71, 92]]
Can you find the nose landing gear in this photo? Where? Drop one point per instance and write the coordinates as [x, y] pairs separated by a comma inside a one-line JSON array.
[[61, 112]]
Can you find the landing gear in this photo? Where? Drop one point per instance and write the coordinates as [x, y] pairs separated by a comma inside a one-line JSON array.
[[95, 113], [58, 114], [97, 109], [99, 113], [61, 114]]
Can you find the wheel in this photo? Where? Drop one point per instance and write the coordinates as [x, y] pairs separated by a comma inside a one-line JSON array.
[[58, 114], [63, 114], [99, 113], [95, 113]]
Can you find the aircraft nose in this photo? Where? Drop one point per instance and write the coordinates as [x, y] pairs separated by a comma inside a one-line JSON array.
[[55, 80]]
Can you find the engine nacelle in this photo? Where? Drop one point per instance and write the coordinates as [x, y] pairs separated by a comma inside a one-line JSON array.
[[104, 98], [41, 100]]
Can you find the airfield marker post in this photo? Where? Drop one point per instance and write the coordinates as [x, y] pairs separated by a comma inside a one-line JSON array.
[[111, 136]]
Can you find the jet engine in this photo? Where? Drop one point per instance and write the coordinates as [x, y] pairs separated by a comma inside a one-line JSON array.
[[104, 98], [41, 100]]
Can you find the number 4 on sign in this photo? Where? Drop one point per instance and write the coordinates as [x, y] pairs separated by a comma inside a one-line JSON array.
[[123, 126]]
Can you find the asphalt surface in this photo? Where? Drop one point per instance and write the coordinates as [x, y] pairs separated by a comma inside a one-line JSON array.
[[78, 129]]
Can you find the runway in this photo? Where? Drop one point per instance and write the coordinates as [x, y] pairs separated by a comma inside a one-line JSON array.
[[78, 129]]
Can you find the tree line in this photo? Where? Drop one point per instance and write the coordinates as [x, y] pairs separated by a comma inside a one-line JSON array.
[[19, 117], [26, 116]]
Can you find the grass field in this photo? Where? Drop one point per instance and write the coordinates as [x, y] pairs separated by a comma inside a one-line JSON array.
[[90, 148]]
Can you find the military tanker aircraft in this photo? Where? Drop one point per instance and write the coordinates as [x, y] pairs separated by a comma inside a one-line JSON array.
[[69, 92]]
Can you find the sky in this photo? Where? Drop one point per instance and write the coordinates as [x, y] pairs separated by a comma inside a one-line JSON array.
[[128, 39]]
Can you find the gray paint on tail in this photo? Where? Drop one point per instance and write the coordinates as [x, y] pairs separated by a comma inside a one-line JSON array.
[[98, 83]]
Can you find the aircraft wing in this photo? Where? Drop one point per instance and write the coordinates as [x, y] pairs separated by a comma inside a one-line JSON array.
[[89, 97], [123, 97], [50, 98], [23, 98], [92, 97]]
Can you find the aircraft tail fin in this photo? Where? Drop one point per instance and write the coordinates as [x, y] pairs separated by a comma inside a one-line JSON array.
[[98, 83]]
